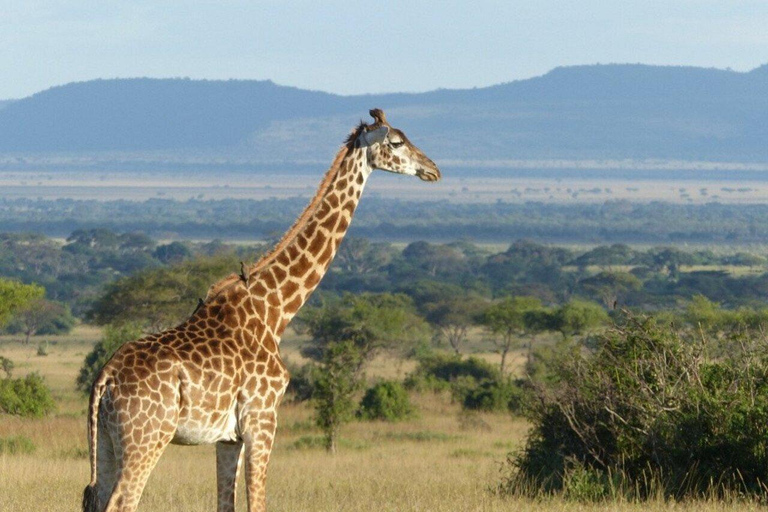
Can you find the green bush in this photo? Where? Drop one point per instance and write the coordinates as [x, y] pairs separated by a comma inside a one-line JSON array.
[[473, 382], [436, 372], [386, 400], [502, 394], [28, 396], [647, 412], [16, 445]]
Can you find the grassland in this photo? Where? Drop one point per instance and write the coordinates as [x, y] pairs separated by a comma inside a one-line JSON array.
[[442, 460]]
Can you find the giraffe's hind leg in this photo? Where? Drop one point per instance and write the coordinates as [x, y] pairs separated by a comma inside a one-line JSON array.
[[228, 457], [140, 431], [136, 461]]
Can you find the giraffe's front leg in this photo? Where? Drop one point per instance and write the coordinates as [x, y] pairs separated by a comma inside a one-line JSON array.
[[227, 468], [258, 438]]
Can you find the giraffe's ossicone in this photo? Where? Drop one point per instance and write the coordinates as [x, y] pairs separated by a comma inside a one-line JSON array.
[[218, 377]]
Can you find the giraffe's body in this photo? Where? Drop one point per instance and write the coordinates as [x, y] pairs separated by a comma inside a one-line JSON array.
[[218, 377]]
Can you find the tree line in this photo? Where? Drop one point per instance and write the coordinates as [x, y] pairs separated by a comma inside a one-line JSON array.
[[613, 221]]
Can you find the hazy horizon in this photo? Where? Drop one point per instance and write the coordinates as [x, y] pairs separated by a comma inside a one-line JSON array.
[[728, 69], [393, 47]]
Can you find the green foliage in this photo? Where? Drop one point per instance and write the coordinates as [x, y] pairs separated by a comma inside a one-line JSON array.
[[386, 400], [436, 371], [15, 295], [301, 386], [162, 297], [606, 256], [7, 366], [114, 337], [511, 318], [452, 315], [373, 322], [28, 396], [16, 445], [648, 412], [498, 395], [578, 317], [336, 381], [473, 382], [345, 336], [41, 316], [174, 252], [611, 287]]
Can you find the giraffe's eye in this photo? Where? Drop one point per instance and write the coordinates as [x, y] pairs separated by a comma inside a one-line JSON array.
[[396, 143]]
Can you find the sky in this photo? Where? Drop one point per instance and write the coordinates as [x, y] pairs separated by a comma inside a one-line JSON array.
[[356, 47]]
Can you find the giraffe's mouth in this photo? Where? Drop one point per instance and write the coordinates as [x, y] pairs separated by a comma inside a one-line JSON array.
[[428, 174]]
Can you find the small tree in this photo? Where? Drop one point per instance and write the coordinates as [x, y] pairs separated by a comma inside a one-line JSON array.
[[345, 337], [15, 295], [578, 317], [506, 321], [41, 316], [611, 287], [336, 382], [453, 316]]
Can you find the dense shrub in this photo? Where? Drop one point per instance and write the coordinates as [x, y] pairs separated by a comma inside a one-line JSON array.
[[647, 412], [436, 371], [28, 396], [501, 394], [473, 382], [388, 401]]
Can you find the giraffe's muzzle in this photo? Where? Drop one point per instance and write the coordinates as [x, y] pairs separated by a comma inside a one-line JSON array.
[[429, 174]]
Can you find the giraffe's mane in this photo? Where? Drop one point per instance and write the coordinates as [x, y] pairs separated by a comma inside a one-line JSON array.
[[310, 209], [306, 214]]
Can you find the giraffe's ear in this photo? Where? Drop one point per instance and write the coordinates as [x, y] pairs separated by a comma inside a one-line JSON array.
[[376, 136]]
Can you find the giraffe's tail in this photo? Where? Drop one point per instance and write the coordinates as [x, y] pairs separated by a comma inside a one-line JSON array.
[[91, 495]]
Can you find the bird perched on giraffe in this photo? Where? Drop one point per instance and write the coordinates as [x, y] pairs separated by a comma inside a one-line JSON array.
[[218, 377]]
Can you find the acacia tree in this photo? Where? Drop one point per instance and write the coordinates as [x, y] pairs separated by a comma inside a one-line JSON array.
[[359, 256], [161, 297], [509, 319], [345, 337], [577, 317], [41, 316], [611, 287], [15, 295], [452, 316]]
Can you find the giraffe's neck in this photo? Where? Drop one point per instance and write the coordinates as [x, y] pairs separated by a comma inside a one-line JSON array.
[[288, 275]]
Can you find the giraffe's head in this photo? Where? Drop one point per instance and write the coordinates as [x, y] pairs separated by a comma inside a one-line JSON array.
[[390, 150]]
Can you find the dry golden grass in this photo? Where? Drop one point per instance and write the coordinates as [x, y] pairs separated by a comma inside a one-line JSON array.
[[440, 461]]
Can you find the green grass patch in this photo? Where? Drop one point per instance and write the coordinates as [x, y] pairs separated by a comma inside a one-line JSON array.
[[16, 445], [420, 436]]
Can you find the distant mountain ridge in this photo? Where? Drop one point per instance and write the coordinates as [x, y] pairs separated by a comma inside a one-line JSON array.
[[582, 112]]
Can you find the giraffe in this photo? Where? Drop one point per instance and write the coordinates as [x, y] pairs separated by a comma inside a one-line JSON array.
[[218, 377]]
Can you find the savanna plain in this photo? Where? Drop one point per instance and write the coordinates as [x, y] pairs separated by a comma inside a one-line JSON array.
[[441, 460]]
